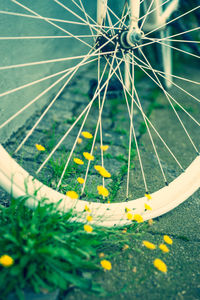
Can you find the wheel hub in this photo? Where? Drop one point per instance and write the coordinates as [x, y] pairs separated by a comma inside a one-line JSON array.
[[125, 38]]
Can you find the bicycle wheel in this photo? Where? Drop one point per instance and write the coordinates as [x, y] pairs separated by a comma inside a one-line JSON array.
[[95, 154]]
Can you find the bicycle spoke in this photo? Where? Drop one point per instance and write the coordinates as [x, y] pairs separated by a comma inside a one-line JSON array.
[[154, 9], [87, 20], [52, 60], [130, 133], [100, 125], [175, 48], [41, 18], [44, 37], [147, 13]]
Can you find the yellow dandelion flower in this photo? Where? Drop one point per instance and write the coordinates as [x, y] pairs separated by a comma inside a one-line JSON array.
[[134, 270], [104, 173], [87, 135], [150, 222], [147, 207], [102, 190], [108, 201], [101, 254], [164, 248], [80, 180], [106, 264], [167, 239], [88, 228], [6, 261], [88, 156], [129, 216], [160, 265], [40, 147], [124, 230], [89, 218], [127, 209], [78, 161], [138, 218], [104, 147], [87, 208], [125, 247], [79, 141], [98, 167], [149, 245], [72, 194], [148, 196]]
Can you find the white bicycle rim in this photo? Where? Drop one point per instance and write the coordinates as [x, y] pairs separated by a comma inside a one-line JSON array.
[[18, 182]]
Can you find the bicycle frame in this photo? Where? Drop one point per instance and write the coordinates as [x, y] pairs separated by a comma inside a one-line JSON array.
[[157, 18]]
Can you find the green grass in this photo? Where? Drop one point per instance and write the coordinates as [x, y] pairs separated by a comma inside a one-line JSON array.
[[51, 252]]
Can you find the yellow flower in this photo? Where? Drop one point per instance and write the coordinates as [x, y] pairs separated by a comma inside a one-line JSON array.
[[108, 201], [149, 245], [138, 218], [168, 240], [79, 141], [88, 156], [102, 171], [6, 260], [80, 180], [88, 228], [72, 194], [98, 167], [87, 208], [160, 265], [148, 196], [78, 161], [40, 147], [87, 135], [125, 247], [102, 190], [127, 209], [104, 148], [164, 248], [89, 218], [147, 207], [124, 230], [134, 270], [150, 222], [129, 216], [101, 254], [106, 265]]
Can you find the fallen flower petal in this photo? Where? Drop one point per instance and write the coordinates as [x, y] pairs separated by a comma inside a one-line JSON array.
[[160, 265]]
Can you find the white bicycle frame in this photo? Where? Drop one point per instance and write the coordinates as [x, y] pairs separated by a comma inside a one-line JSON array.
[[157, 18]]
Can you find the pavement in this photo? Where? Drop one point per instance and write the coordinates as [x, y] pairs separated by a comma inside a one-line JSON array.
[[133, 275]]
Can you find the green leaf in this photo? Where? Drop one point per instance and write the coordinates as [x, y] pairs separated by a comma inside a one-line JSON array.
[[11, 238]]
